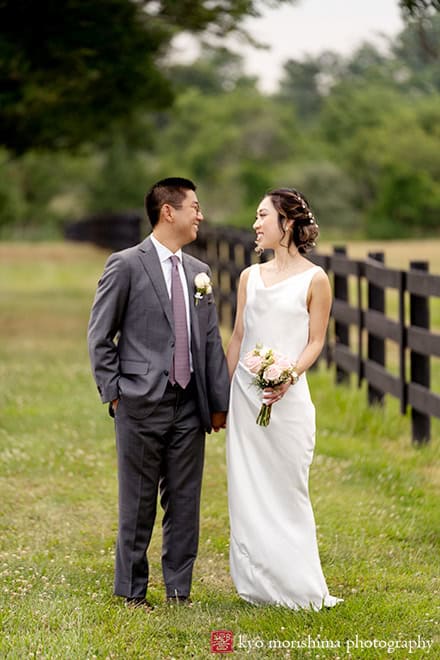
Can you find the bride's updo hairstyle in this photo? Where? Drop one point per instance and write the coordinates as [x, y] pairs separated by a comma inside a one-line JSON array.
[[292, 205]]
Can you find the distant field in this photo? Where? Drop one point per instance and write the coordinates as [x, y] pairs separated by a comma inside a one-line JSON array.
[[375, 499], [398, 254]]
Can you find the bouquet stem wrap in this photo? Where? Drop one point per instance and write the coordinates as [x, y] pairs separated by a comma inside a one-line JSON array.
[[263, 418]]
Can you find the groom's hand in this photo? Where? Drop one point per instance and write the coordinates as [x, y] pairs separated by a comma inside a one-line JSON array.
[[218, 421]]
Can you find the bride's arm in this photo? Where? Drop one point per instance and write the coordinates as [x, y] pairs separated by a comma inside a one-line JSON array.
[[319, 304], [233, 352]]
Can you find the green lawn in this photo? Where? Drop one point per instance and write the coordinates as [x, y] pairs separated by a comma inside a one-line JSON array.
[[375, 499]]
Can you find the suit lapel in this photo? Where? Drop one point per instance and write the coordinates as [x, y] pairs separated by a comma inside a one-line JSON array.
[[151, 263], [190, 275]]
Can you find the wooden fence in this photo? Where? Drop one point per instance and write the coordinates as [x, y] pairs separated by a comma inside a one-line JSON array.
[[362, 334], [109, 230]]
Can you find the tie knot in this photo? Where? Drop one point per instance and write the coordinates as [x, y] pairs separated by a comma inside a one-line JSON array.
[[175, 260]]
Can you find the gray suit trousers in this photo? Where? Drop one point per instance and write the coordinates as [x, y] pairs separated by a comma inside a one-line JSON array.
[[163, 451]]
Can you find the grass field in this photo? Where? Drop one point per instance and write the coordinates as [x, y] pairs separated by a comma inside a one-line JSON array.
[[375, 499]]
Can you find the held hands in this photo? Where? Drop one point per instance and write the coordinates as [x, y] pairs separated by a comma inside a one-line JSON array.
[[218, 421]]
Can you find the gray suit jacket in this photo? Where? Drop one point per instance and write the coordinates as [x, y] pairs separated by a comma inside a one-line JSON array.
[[131, 335]]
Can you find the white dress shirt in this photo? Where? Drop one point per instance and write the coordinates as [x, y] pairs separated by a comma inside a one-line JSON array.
[[164, 255]]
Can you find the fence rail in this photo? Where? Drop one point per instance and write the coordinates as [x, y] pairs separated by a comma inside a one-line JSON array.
[[360, 328]]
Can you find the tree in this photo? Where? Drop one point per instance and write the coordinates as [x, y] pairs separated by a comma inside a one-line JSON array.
[[228, 142], [421, 13], [331, 191], [389, 145], [355, 105], [301, 84], [421, 67], [70, 70], [419, 7], [215, 71]]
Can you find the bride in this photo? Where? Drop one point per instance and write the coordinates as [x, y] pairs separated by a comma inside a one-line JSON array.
[[283, 304]]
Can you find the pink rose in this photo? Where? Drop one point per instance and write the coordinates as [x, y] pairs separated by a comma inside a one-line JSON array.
[[283, 363], [273, 372], [252, 362]]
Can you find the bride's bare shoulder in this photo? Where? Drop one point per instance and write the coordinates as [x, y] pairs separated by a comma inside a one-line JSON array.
[[244, 275]]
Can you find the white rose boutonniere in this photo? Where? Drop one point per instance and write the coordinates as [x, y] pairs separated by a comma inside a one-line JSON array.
[[203, 286]]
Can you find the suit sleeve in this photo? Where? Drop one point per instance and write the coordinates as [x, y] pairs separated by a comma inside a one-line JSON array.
[[217, 378], [105, 322]]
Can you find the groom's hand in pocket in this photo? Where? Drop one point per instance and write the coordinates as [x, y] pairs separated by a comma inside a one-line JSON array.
[[218, 421], [112, 407]]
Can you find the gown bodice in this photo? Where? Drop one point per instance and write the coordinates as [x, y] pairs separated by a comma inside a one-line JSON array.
[[277, 316]]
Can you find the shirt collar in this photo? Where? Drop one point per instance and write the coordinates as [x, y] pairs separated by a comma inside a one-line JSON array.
[[163, 252]]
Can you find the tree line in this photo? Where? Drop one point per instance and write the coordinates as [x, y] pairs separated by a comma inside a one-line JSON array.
[[359, 135]]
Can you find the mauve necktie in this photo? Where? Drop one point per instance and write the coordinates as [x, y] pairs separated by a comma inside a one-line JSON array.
[[180, 371]]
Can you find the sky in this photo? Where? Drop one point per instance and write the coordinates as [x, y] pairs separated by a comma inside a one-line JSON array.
[[310, 27]]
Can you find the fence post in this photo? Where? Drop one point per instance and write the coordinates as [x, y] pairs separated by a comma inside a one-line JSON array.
[[360, 371], [326, 351], [342, 330], [376, 345], [233, 285], [420, 364], [402, 343]]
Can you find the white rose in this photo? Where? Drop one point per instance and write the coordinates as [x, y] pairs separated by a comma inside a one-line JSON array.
[[202, 281]]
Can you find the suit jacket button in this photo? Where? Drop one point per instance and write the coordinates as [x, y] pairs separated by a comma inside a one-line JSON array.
[[172, 344], [166, 372]]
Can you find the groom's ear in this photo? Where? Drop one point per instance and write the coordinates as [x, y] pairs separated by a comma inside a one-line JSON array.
[[166, 213]]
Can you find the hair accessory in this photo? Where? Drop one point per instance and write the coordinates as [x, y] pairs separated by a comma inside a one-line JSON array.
[[300, 200]]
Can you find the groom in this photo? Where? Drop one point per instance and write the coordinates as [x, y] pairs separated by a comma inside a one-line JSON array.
[[157, 358]]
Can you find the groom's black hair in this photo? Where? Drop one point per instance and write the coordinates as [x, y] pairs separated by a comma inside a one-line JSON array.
[[171, 190]]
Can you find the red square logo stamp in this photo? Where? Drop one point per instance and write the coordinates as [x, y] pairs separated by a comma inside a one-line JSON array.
[[222, 641]]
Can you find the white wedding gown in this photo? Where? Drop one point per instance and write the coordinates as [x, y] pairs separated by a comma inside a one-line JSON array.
[[273, 548]]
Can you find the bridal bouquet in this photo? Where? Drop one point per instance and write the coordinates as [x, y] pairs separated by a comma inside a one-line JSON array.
[[270, 369]]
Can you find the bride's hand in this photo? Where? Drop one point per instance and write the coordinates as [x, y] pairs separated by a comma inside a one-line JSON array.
[[273, 394]]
